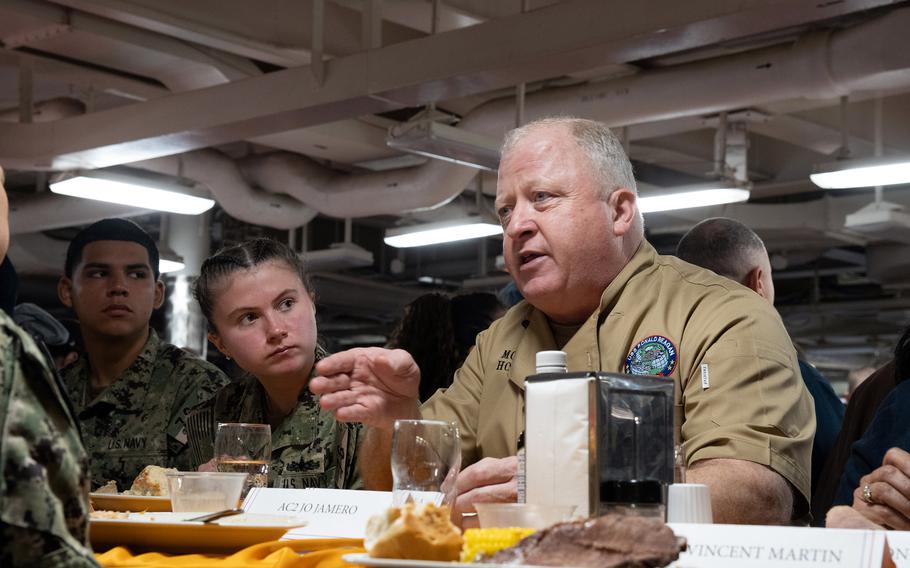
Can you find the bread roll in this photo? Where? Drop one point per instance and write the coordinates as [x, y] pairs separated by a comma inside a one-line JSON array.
[[151, 481], [414, 532]]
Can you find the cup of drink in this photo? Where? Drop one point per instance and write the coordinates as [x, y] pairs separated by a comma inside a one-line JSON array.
[[244, 448], [426, 459]]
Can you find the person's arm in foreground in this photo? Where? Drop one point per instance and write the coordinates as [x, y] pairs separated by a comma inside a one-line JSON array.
[[744, 492], [375, 387]]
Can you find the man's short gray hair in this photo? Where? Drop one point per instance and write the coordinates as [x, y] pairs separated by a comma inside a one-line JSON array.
[[723, 245], [604, 150]]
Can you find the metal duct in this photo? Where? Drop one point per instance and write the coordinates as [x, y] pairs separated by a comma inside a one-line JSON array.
[[821, 65], [222, 177], [342, 195], [210, 168], [464, 62]]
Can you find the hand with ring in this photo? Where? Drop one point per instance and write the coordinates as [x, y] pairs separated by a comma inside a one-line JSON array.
[[867, 494], [883, 496]]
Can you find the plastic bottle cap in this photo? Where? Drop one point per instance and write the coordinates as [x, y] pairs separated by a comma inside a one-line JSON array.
[[550, 359]]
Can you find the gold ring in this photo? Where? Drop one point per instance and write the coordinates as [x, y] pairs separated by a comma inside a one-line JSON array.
[[867, 494]]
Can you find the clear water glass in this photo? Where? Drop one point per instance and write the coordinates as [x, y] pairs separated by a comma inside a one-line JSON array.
[[426, 459], [244, 448]]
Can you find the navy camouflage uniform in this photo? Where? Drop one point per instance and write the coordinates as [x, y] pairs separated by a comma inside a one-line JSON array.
[[139, 419], [309, 448], [44, 476]]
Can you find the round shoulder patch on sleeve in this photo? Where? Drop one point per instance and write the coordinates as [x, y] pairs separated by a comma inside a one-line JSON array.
[[654, 355]]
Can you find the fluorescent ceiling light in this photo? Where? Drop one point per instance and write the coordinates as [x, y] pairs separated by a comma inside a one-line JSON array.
[[861, 173], [445, 232], [444, 142], [691, 198], [133, 190], [165, 265]]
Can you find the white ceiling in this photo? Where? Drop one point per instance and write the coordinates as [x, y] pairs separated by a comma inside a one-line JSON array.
[[214, 87]]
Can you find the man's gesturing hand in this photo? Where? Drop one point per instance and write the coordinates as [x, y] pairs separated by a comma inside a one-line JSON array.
[[370, 385]]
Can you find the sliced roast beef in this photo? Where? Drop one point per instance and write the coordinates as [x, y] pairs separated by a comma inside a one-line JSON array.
[[610, 541]]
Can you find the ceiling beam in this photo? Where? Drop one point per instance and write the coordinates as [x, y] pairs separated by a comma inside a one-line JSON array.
[[274, 32], [496, 54], [79, 36], [816, 137], [85, 77]]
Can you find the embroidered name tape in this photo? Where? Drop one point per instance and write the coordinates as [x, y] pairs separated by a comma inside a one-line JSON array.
[[654, 355]]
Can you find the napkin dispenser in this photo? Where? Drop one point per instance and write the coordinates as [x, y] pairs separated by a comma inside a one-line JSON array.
[[585, 430]]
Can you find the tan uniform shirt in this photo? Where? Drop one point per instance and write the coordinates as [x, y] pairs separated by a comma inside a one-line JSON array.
[[660, 315]]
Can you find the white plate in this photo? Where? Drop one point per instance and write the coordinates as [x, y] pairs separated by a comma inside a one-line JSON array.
[[136, 503], [364, 559], [169, 532]]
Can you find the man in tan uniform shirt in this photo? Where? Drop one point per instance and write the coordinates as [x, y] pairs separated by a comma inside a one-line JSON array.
[[574, 244]]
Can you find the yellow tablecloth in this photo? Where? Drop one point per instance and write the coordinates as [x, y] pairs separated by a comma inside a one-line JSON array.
[[316, 553]]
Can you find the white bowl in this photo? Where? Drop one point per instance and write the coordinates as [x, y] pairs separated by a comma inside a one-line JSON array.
[[204, 491]]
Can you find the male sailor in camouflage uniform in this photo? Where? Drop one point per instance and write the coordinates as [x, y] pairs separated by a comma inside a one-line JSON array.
[[131, 391], [43, 466]]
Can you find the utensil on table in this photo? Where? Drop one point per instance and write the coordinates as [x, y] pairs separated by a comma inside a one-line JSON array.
[[211, 517]]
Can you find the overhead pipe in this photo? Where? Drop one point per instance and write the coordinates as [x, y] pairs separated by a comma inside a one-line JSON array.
[[212, 169], [222, 177], [820, 65], [344, 195]]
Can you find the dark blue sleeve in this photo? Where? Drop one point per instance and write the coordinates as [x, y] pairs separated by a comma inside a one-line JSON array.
[[889, 428], [829, 416]]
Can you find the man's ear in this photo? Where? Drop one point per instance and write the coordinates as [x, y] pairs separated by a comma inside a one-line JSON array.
[[159, 293], [216, 341], [65, 291], [624, 209], [753, 280]]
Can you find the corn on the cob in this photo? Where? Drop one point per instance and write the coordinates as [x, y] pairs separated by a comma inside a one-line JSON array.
[[490, 541]]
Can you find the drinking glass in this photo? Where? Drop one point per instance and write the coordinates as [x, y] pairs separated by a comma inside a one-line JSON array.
[[426, 458], [244, 448]]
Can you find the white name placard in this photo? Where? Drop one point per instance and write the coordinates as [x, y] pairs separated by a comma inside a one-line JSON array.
[[722, 546], [899, 543], [329, 512]]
